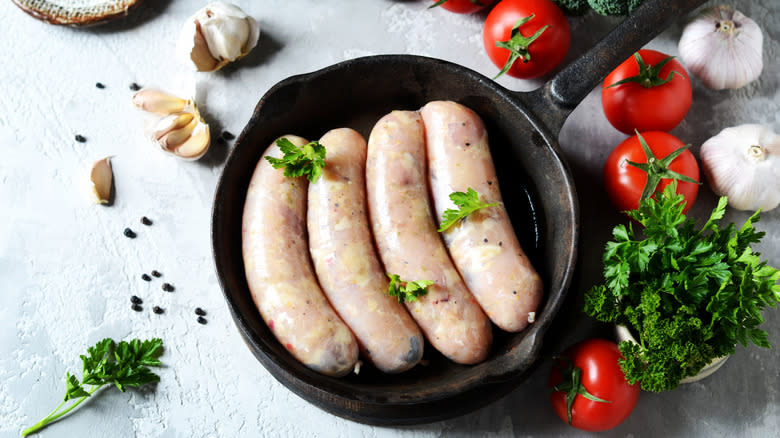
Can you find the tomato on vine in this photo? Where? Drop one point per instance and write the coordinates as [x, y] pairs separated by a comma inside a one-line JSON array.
[[650, 91], [644, 164], [526, 38], [588, 389], [462, 6]]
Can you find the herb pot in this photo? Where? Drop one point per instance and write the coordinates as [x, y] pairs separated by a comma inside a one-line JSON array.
[[624, 334]]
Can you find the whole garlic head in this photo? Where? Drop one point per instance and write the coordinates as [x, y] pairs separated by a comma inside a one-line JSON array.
[[216, 35], [743, 163], [723, 48], [179, 129]]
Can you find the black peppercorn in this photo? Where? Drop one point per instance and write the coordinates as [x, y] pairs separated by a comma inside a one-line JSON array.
[[227, 135], [167, 287], [100, 85], [137, 307], [129, 233], [135, 87], [158, 310], [202, 320], [135, 300], [146, 277], [146, 221], [156, 274], [80, 138], [200, 312]]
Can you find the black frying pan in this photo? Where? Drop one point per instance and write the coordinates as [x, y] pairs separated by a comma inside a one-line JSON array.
[[535, 182]]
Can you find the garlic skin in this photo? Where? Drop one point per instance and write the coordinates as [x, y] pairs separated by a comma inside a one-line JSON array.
[[178, 128], [216, 35], [743, 163], [722, 48]]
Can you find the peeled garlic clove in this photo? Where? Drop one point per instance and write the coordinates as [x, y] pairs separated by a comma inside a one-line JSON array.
[[101, 177], [743, 163], [217, 34], [196, 145], [158, 102], [722, 48]]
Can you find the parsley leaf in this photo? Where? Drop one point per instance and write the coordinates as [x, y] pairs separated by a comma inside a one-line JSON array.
[[307, 160], [467, 203], [106, 363], [407, 290], [689, 295]]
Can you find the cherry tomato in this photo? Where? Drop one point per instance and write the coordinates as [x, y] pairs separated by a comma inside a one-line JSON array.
[[624, 183], [536, 49], [600, 377], [463, 6], [640, 105]]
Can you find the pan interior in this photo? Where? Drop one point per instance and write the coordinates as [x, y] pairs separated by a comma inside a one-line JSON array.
[[534, 183]]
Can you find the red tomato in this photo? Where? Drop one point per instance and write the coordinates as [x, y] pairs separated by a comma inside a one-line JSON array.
[[624, 183], [464, 6], [544, 53], [601, 377], [633, 106]]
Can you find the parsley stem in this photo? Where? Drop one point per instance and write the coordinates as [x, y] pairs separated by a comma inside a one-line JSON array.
[[54, 415]]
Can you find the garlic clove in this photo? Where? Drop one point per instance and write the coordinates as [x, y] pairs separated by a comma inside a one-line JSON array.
[[216, 35], [196, 145], [743, 163], [722, 48], [171, 123], [176, 137], [181, 130], [158, 102], [101, 177]]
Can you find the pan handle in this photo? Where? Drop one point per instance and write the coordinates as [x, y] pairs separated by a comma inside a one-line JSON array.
[[557, 98]]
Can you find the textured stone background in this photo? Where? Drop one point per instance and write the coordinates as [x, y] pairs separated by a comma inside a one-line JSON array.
[[66, 271]]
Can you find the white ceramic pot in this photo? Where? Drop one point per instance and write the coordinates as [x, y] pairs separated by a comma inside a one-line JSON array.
[[623, 334]]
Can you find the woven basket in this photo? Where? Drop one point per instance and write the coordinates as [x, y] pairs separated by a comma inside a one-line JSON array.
[[77, 12]]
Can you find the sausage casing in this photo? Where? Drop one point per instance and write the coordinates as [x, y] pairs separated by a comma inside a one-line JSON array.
[[346, 260], [409, 245], [280, 274], [483, 246]]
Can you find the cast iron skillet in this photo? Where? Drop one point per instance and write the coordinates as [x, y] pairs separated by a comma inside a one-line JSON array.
[[535, 182]]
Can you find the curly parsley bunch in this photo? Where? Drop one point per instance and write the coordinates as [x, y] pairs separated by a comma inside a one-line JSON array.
[[689, 294]]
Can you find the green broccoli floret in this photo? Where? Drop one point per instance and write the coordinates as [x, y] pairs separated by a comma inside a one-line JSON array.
[[614, 7], [573, 7]]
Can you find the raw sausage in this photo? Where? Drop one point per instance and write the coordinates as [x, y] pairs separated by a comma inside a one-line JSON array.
[[346, 261], [409, 245], [484, 246], [280, 274]]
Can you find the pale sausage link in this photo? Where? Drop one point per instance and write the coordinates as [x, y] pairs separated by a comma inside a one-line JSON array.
[[484, 246], [346, 261], [280, 274]]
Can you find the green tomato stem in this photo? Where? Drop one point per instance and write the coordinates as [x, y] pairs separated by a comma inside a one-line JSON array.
[[518, 44]]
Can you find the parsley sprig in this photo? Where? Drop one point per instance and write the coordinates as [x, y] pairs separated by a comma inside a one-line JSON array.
[[308, 159], [689, 294], [107, 363], [407, 290], [467, 203]]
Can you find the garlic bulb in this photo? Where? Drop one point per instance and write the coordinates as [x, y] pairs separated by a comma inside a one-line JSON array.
[[743, 163], [217, 34], [722, 48], [179, 128]]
